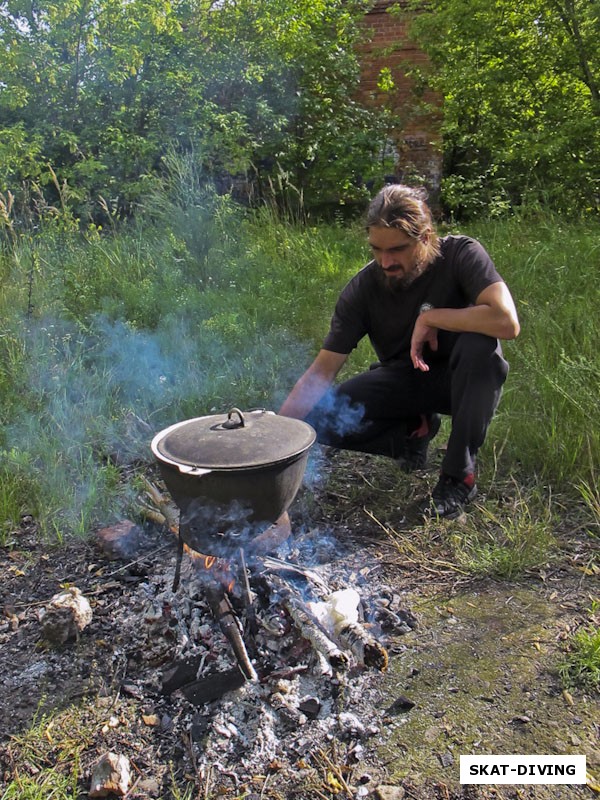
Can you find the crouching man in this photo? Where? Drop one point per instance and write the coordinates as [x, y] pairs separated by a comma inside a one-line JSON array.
[[433, 309]]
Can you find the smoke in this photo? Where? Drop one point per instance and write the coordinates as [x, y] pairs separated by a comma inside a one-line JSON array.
[[92, 398], [337, 416]]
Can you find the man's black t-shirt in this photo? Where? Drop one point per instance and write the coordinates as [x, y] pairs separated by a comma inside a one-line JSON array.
[[366, 307]]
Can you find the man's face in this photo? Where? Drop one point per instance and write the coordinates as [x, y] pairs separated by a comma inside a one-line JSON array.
[[399, 256]]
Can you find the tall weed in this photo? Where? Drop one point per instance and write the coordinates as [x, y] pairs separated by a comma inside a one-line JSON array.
[[505, 539], [551, 404], [581, 664]]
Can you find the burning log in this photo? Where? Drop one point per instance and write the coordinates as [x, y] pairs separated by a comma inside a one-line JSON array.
[[364, 647], [338, 613], [310, 627], [248, 597], [278, 565], [232, 629], [311, 630]]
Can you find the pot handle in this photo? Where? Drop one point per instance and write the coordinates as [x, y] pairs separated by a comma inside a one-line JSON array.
[[230, 423], [187, 469]]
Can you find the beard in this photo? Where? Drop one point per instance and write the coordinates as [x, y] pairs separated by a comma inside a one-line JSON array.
[[400, 283]]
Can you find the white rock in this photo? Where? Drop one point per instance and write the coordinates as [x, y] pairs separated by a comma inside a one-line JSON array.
[[65, 616], [111, 775]]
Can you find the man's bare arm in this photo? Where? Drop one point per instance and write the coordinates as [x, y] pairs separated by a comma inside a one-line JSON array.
[[311, 387]]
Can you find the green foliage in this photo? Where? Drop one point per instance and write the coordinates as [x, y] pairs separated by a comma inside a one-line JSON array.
[[198, 306], [521, 88], [255, 90]]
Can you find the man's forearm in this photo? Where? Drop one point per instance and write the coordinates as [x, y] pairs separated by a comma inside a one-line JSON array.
[[313, 384], [493, 314], [475, 319], [304, 396]]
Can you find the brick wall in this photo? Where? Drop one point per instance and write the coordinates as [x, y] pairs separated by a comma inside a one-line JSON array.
[[415, 143]]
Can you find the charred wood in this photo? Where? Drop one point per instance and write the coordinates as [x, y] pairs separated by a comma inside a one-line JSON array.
[[364, 647], [213, 687], [230, 625], [180, 674]]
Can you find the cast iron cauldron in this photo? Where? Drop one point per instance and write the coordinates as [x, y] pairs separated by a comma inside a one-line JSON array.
[[232, 474]]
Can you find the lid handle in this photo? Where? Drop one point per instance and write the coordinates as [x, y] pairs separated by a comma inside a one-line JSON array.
[[231, 423]]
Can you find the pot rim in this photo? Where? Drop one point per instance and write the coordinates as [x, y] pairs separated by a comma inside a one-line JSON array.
[[199, 469]]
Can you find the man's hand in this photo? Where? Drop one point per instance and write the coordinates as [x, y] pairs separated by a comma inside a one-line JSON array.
[[313, 384], [422, 334]]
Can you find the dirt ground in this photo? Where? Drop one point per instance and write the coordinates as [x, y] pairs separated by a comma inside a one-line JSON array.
[[476, 675]]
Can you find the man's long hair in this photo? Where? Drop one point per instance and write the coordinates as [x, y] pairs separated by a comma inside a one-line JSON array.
[[405, 208]]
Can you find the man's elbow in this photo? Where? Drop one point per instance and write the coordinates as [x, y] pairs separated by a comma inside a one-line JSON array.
[[510, 328]]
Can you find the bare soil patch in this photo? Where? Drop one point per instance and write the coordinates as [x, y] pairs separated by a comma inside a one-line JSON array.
[[298, 734]]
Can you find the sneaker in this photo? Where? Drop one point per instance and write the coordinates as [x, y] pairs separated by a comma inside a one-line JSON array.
[[416, 444], [450, 495]]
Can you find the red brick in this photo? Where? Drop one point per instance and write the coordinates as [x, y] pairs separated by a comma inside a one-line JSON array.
[[390, 47]]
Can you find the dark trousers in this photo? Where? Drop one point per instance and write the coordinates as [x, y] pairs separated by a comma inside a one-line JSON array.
[[373, 411]]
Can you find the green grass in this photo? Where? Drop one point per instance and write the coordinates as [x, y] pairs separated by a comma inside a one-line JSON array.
[[505, 538], [590, 493], [198, 306], [49, 753], [581, 666], [49, 760], [550, 407]]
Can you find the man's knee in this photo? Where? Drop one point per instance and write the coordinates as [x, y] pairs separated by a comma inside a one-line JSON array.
[[479, 354]]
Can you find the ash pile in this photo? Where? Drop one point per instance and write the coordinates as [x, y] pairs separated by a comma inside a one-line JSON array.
[[268, 665]]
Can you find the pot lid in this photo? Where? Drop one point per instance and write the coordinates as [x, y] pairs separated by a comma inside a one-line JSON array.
[[237, 440]]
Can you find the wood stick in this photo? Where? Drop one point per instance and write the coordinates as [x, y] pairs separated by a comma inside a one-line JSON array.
[[230, 625], [277, 565], [312, 631], [161, 502], [309, 626], [247, 594]]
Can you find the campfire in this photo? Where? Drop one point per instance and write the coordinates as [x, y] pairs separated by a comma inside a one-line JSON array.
[[208, 464], [271, 654], [270, 659], [266, 641], [252, 602]]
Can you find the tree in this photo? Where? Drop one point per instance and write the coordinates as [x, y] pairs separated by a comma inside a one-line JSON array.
[[520, 83], [259, 89]]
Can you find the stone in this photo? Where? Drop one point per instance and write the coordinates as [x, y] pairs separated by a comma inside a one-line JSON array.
[[311, 706], [111, 775], [122, 541], [385, 792], [65, 616]]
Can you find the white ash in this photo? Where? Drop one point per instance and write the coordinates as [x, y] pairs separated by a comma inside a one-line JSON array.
[[30, 675], [260, 723]]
